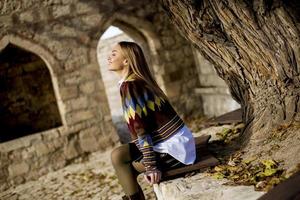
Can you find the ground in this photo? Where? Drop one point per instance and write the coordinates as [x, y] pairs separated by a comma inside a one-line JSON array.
[[93, 179]]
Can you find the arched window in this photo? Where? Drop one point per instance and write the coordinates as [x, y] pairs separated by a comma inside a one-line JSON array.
[[28, 104]]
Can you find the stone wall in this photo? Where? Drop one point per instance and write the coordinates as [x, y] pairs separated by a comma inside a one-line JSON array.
[[65, 34], [213, 90]]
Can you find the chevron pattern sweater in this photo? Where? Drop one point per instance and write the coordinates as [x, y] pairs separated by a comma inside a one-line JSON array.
[[150, 118]]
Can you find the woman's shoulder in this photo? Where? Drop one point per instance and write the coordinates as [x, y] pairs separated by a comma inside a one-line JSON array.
[[132, 86], [137, 86], [132, 77], [134, 81]]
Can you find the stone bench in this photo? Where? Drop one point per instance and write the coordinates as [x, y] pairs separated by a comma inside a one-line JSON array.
[[203, 160]]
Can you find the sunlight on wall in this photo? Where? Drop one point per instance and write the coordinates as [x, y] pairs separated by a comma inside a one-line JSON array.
[[111, 32]]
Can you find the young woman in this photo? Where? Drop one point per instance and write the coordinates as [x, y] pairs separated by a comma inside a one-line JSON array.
[[160, 139]]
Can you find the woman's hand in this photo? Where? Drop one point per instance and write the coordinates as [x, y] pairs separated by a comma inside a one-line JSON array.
[[153, 176]]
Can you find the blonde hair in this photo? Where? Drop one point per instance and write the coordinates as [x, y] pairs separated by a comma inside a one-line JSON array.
[[138, 65]]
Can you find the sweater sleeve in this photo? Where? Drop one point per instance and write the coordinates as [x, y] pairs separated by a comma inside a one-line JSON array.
[[139, 104]]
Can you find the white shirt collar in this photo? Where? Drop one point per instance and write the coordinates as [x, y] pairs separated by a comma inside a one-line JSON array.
[[121, 81]]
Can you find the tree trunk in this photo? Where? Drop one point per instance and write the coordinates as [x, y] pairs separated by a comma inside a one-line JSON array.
[[255, 48]]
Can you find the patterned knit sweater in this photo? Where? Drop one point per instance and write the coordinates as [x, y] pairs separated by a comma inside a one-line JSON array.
[[150, 117]]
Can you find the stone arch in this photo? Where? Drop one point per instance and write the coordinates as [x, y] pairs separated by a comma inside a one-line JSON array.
[[52, 65], [110, 81], [143, 30], [136, 35]]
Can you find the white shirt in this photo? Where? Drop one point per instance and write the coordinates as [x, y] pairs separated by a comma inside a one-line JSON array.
[[181, 145]]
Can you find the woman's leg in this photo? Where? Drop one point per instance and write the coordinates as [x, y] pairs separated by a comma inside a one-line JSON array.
[[122, 162]]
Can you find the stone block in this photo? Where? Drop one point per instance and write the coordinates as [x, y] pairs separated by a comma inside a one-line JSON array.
[[100, 97], [89, 132], [203, 187], [18, 180], [91, 72], [64, 53], [61, 11], [66, 130], [15, 155], [65, 31], [59, 165], [41, 162], [26, 16], [173, 89], [218, 104], [211, 80], [168, 41], [50, 134], [84, 7], [19, 143], [57, 143], [203, 65], [73, 78], [18, 169], [87, 139], [28, 153], [41, 149], [92, 19], [70, 150], [5, 186], [87, 87], [212, 90], [80, 115], [176, 75], [89, 144], [187, 50], [77, 103], [69, 92], [76, 62]]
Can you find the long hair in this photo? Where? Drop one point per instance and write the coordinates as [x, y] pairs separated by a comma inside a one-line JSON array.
[[138, 65]]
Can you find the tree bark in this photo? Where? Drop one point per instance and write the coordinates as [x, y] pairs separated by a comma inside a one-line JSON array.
[[254, 46]]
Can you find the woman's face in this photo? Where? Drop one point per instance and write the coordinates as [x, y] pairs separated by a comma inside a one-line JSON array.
[[116, 60]]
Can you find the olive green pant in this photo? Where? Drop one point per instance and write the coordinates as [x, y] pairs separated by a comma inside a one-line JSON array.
[[127, 169], [126, 160]]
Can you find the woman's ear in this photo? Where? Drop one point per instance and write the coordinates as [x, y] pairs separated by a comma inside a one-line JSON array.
[[125, 62]]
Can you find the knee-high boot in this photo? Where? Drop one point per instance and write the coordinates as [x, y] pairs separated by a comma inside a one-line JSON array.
[[137, 196]]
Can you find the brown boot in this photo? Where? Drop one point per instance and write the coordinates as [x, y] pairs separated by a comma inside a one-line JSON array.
[[142, 196], [137, 196], [124, 197]]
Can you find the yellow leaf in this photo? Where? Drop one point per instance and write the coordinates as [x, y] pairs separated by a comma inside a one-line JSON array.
[[218, 168], [218, 175], [269, 163], [269, 171]]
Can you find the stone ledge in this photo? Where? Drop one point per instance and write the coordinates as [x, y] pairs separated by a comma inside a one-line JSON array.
[[202, 186], [26, 141], [212, 90]]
